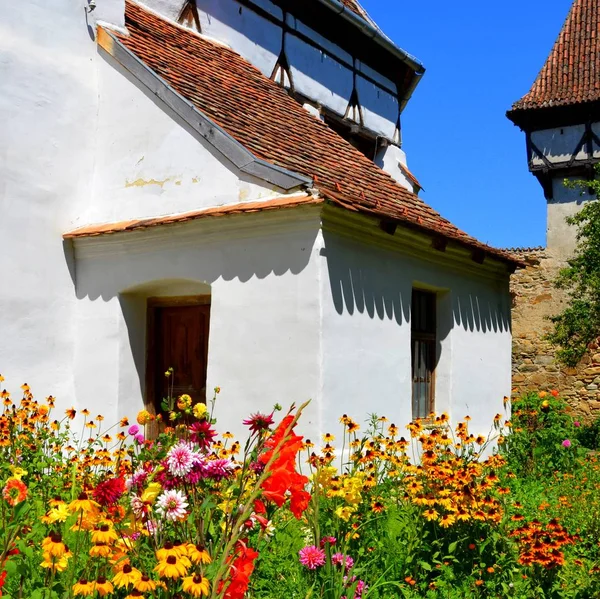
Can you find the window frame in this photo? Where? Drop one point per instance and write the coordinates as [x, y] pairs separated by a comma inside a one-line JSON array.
[[429, 337]]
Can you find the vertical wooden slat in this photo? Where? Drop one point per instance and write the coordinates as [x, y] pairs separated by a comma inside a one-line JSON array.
[[423, 350]]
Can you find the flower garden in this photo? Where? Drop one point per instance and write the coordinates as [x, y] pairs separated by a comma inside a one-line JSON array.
[[373, 511]]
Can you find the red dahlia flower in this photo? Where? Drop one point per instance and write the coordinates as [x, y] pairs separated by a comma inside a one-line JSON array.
[[202, 433], [259, 422], [109, 491]]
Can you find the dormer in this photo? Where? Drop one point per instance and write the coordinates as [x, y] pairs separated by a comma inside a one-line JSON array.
[[328, 53]]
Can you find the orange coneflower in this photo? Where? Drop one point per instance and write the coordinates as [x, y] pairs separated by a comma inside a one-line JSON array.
[[196, 585], [173, 567], [83, 588], [145, 584], [169, 549], [430, 514], [127, 576], [85, 504], [53, 545], [447, 520], [198, 554], [377, 507], [100, 550], [103, 587]]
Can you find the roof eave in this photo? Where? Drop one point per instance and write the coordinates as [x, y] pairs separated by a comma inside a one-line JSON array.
[[206, 128], [531, 118], [478, 249]]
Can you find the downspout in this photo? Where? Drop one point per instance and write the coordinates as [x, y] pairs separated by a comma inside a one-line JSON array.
[[376, 35]]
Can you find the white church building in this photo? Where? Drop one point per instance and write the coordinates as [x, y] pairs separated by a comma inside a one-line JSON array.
[[218, 186]]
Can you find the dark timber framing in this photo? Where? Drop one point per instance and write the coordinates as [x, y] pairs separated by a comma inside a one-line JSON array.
[[531, 120], [339, 33]]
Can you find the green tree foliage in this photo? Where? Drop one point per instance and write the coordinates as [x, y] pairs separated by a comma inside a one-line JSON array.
[[578, 324]]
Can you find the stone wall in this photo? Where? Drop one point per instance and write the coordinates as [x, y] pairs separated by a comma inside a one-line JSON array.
[[534, 365]]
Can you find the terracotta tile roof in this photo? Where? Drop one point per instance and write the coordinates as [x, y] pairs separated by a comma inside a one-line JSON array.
[[261, 116], [571, 74], [227, 210]]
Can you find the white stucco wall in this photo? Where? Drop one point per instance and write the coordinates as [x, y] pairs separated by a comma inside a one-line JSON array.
[[366, 336], [558, 144], [149, 162], [264, 342], [48, 92], [561, 237]]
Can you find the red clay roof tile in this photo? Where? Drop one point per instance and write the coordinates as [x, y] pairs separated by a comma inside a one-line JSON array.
[[571, 74], [262, 116], [226, 210]]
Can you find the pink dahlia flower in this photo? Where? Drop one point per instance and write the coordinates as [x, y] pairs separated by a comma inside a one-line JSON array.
[[566, 443], [312, 557], [180, 459], [172, 505], [218, 469]]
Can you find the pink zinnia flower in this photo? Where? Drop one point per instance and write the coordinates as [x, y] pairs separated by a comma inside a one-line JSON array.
[[330, 540], [339, 559], [171, 505], [133, 430], [259, 422], [202, 433], [577, 423], [312, 557], [566, 443], [180, 459], [361, 587]]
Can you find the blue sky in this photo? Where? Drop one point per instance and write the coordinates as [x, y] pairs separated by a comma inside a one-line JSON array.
[[480, 58]]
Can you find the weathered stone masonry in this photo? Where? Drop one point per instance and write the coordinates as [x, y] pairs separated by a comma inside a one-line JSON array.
[[534, 366]]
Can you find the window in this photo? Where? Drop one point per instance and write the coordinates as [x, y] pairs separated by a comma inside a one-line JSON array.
[[423, 352], [177, 337]]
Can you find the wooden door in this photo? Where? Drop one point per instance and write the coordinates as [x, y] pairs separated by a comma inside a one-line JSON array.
[[178, 339]]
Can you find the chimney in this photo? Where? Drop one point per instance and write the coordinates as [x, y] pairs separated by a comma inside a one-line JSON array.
[[392, 159]]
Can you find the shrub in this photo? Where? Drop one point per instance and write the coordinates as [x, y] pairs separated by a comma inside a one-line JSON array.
[[542, 438], [588, 435]]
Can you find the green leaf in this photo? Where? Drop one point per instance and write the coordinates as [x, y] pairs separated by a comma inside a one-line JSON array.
[[427, 567]]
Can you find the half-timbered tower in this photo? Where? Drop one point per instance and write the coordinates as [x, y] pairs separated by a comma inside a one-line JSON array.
[[560, 116]]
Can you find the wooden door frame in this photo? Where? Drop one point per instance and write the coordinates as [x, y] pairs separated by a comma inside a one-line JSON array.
[[152, 303]]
